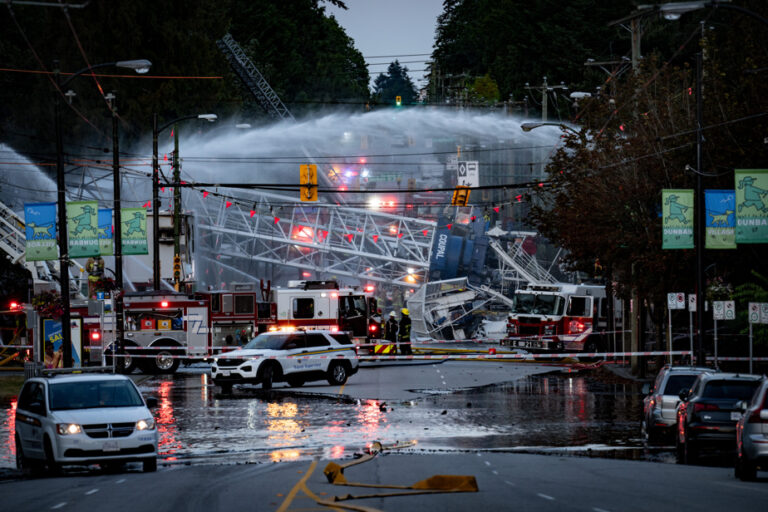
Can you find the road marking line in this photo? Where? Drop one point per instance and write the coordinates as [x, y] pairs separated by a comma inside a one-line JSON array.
[[300, 485], [92, 491], [495, 472], [545, 497], [59, 505], [509, 483], [487, 463], [599, 509], [120, 481]]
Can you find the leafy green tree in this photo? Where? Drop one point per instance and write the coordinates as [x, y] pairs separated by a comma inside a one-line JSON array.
[[395, 82], [485, 89]]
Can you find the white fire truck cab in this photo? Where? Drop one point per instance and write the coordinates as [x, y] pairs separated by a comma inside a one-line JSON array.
[[324, 305], [178, 326], [558, 317]]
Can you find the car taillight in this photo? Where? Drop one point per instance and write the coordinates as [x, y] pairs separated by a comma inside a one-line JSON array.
[[757, 417], [705, 407], [656, 401]]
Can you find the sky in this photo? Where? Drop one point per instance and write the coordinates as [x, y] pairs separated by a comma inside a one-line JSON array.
[[391, 27]]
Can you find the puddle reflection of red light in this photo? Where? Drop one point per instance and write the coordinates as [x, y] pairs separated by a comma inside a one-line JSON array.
[[10, 422], [371, 417], [166, 422], [284, 426], [337, 452]]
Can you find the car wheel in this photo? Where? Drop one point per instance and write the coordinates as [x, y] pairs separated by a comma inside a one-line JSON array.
[[691, 453], [296, 382], [744, 469], [267, 376], [149, 465], [337, 374], [23, 463], [50, 461], [163, 362]]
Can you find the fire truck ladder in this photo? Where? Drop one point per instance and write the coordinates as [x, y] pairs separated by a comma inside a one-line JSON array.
[[337, 240], [253, 79]]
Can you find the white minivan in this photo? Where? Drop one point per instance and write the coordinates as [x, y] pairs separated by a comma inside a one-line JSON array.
[[84, 419]]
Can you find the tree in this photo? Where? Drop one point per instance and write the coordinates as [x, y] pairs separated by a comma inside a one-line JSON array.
[[485, 89], [395, 82]]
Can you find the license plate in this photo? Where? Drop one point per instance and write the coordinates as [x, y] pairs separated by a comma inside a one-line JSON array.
[[224, 373], [735, 416], [528, 344], [110, 446]]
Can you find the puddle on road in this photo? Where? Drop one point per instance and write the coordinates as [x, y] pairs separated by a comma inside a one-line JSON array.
[[542, 414]]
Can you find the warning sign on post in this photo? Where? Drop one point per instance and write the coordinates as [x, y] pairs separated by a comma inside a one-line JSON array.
[[730, 310], [692, 303], [718, 310], [754, 312]]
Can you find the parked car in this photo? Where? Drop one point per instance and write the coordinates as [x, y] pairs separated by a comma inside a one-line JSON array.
[[660, 403], [84, 419], [288, 356], [708, 412], [752, 435]]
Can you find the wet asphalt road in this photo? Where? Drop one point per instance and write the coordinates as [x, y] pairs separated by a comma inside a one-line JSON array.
[[448, 407]]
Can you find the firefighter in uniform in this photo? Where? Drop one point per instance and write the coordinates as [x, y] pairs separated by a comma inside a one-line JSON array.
[[404, 333], [95, 268], [392, 330]]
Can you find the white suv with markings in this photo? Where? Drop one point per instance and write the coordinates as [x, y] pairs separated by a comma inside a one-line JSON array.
[[293, 357]]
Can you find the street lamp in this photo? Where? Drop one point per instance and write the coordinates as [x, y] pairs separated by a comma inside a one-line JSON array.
[[140, 66], [176, 191], [527, 127]]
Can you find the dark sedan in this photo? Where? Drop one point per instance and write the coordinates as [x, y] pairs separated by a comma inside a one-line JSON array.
[[708, 412]]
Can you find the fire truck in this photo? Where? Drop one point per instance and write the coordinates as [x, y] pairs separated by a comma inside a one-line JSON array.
[[559, 317], [325, 305], [170, 326]]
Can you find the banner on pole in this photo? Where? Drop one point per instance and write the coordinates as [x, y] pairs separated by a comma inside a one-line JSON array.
[[134, 230], [677, 223], [83, 229], [751, 206], [720, 220], [40, 227], [105, 232]]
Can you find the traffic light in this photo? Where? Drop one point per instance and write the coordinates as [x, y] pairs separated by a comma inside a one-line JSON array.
[[308, 179], [398, 101], [460, 196], [176, 267]]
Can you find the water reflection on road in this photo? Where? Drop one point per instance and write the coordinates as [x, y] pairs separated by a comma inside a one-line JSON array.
[[537, 413]]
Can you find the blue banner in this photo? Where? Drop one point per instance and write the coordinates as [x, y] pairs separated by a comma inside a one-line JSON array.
[[53, 341], [105, 232], [720, 220], [40, 226]]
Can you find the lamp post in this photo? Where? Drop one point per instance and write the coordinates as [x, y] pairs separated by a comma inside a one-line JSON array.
[[156, 189], [140, 66]]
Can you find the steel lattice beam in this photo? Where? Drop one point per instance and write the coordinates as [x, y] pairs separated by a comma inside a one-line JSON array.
[[337, 240]]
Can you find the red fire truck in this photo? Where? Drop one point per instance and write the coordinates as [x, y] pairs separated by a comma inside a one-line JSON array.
[[558, 317], [171, 326], [325, 305]]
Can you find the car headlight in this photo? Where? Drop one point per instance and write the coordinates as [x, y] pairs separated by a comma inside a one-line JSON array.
[[65, 429], [146, 424]]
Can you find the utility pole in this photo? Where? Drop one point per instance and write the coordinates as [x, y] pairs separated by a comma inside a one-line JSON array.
[[117, 238], [176, 205], [544, 88]]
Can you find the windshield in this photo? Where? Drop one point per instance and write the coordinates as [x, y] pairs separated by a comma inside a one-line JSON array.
[[93, 394], [268, 341], [538, 304], [677, 383], [738, 390]]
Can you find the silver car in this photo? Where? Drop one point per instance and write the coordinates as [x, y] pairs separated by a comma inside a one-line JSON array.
[[660, 404], [82, 420], [752, 435]]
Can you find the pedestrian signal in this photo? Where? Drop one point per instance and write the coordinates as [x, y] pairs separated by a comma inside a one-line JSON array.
[[460, 196], [308, 179]]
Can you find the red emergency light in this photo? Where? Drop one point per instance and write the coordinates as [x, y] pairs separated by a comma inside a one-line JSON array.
[[95, 335], [164, 304], [372, 328], [14, 305], [370, 288], [334, 328]]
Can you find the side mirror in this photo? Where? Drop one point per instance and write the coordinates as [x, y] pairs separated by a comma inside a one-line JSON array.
[[742, 405], [646, 388], [683, 395], [764, 414], [151, 402]]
